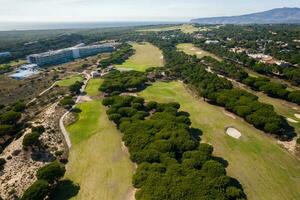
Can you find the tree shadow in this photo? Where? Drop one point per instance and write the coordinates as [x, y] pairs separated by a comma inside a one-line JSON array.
[[196, 133], [42, 155], [64, 190]]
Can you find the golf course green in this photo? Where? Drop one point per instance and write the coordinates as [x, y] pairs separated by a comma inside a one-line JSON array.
[[256, 160]]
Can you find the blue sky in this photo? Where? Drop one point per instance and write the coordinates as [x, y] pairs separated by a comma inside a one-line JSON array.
[[130, 10]]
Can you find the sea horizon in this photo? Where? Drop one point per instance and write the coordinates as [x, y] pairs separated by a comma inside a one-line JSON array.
[[27, 26]]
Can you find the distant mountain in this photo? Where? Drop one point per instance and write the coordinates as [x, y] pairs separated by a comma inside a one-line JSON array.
[[275, 16]]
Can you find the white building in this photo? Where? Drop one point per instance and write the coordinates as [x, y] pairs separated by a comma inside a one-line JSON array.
[[68, 54], [212, 42]]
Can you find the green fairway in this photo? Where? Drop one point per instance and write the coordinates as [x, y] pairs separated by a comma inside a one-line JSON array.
[[146, 55], [186, 28], [190, 49], [265, 170], [97, 161], [66, 82], [93, 86]]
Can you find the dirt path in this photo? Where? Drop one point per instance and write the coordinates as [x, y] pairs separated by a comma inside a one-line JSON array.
[[78, 100]]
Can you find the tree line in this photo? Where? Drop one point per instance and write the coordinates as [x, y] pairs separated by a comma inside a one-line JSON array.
[[219, 91], [118, 57], [263, 84], [291, 74]]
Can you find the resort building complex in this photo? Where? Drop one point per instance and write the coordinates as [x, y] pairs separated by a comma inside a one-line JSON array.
[[68, 54]]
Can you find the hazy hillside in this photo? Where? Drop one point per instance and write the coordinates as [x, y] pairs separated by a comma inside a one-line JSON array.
[[275, 16]]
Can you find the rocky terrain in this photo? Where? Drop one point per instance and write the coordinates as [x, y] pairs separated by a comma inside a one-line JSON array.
[[13, 182]]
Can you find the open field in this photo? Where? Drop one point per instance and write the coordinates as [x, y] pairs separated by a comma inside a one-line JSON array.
[[97, 161], [93, 86], [66, 82], [186, 28], [146, 55], [265, 169], [190, 49]]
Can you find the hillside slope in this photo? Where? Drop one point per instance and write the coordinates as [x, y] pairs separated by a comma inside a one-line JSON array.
[[275, 16]]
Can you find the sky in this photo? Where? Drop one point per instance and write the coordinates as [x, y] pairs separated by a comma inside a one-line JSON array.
[[129, 10]]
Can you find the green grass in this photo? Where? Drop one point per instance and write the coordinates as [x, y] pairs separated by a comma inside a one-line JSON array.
[[190, 49], [93, 86], [265, 170], [96, 161], [14, 63], [146, 56], [186, 28], [69, 81]]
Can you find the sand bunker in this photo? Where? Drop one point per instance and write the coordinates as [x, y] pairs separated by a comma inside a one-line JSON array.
[[193, 49], [233, 133], [199, 52], [297, 116], [229, 114], [292, 120]]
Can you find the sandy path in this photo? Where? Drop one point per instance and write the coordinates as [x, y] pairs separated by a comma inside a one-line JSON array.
[[61, 120]]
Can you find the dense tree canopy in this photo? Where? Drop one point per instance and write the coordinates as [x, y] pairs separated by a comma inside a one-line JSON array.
[[171, 163], [123, 81]]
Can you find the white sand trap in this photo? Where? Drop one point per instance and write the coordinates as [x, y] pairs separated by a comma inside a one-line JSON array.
[[199, 52], [233, 133], [229, 114], [193, 49], [292, 120], [295, 108], [162, 57], [297, 116]]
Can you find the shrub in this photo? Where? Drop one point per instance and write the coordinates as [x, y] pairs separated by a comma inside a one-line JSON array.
[[2, 162], [76, 87], [67, 102], [151, 105], [5, 129], [10, 117], [19, 107], [213, 169], [51, 172], [37, 191], [38, 129], [31, 139]]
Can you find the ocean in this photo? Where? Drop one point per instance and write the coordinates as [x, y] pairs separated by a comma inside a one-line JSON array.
[[11, 26]]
